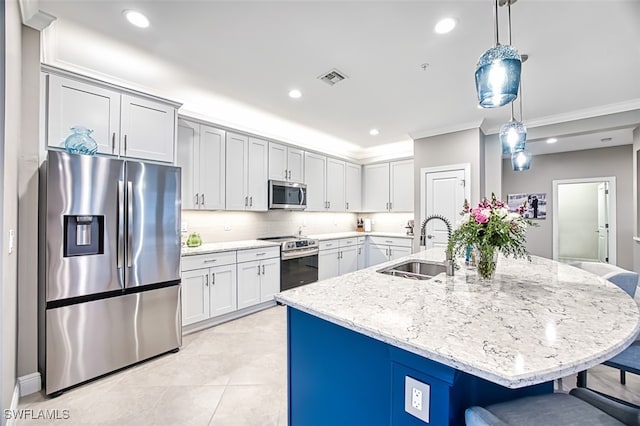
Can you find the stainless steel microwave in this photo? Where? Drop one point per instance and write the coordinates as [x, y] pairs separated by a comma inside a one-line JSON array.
[[287, 195]]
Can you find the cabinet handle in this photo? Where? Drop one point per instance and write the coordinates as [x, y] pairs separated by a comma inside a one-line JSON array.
[[289, 174], [113, 143], [329, 203], [389, 251], [210, 260], [388, 241], [390, 206], [197, 198], [359, 250], [206, 280], [386, 252], [261, 254], [125, 144], [285, 174], [213, 278], [262, 269], [258, 269], [202, 200], [250, 201], [347, 206], [246, 201]]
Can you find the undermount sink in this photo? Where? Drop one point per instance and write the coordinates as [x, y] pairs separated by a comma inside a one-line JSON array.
[[415, 270]]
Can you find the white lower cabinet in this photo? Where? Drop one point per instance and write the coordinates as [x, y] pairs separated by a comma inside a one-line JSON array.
[[258, 281], [382, 249], [208, 292], [362, 258], [337, 257]]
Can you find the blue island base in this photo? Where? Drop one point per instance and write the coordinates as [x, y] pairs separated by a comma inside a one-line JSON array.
[[341, 377]]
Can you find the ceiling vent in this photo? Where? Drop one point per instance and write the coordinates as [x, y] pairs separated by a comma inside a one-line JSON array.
[[332, 77]]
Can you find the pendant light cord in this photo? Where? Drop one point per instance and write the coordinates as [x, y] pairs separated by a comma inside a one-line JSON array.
[[495, 23]]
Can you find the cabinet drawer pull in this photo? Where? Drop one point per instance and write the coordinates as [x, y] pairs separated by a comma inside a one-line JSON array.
[[388, 241], [210, 260], [261, 254]]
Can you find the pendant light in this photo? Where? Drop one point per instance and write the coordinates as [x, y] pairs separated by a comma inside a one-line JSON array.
[[521, 160], [513, 133], [498, 71]]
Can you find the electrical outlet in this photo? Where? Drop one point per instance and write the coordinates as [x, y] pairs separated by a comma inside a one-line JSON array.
[[12, 241], [416, 399], [185, 228], [227, 227]]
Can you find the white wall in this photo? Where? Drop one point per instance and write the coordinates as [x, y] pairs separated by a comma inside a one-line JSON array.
[[12, 139], [636, 200], [577, 216]]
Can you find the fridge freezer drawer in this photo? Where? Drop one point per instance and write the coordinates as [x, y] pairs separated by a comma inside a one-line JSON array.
[[87, 340]]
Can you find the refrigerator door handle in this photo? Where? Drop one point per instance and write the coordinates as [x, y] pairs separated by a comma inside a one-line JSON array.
[[120, 239], [129, 223]]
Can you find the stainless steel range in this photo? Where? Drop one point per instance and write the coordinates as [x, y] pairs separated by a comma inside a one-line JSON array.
[[298, 261]]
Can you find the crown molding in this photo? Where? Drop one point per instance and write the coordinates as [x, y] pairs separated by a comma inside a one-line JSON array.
[[389, 151], [426, 133], [33, 17]]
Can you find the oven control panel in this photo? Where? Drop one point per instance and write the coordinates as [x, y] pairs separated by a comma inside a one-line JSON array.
[[292, 245]]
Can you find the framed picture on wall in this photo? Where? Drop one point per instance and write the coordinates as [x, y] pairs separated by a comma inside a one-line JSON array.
[[536, 207]]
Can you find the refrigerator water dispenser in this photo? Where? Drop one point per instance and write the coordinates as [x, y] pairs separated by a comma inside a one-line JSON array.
[[83, 235]]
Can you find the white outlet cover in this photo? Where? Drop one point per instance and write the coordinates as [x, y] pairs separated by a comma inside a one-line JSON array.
[[12, 240], [185, 228], [414, 389], [227, 227]]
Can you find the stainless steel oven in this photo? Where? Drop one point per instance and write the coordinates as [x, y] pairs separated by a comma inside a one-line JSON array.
[[287, 195], [298, 261]]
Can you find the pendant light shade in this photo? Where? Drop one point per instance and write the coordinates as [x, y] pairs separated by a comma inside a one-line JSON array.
[[498, 76], [521, 160], [513, 135]]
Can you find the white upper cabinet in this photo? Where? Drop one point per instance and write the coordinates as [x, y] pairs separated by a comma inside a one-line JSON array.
[[201, 154], [401, 186], [247, 173], [314, 176], [123, 124], [147, 129], [388, 187], [376, 187], [353, 187], [257, 174], [335, 188], [72, 103], [286, 163]]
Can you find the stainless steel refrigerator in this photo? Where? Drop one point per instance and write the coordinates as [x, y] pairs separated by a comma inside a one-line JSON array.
[[109, 266]]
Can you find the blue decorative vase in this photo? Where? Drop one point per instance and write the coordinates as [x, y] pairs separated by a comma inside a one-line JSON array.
[[498, 76], [80, 141]]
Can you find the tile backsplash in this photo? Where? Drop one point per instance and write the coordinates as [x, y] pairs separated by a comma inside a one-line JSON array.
[[220, 226]]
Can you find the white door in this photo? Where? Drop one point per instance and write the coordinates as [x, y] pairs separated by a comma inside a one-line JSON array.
[[195, 296], [376, 187], [335, 185], [270, 279], [277, 161], [249, 274], [348, 259], [236, 172], [72, 103], [147, 129], [257, 174], [401, 186], [396, 252], [212, 168], [188, 159], [222, 290], [603, 222], [444, 195], [314, 177], [378, 253], [353, 187], [328, 266], [295, 164]]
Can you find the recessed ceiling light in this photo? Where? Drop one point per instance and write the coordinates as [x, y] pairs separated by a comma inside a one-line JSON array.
[[136, 18], [445, 25], [295, 93], [374, 132], [552, 140]]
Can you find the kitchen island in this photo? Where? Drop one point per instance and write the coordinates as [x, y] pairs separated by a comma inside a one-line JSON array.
[[353, 340]]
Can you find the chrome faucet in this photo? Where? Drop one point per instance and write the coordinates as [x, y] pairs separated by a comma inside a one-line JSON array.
[[449, 264]]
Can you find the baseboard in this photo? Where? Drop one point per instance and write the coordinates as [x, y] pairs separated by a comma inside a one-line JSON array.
[[29, 383], [14, 405]]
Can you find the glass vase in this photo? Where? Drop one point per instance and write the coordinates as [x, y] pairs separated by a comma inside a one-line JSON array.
[[80, 141], [486, 260]]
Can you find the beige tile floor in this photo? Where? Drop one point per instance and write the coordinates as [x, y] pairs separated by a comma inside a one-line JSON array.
[[233, 374]]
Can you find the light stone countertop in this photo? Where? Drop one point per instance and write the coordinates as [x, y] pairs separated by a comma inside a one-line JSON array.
[[533, 323], [226, 246], [351, 234]]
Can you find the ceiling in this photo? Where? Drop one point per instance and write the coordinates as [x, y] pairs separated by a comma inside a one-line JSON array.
[[234, 62]]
